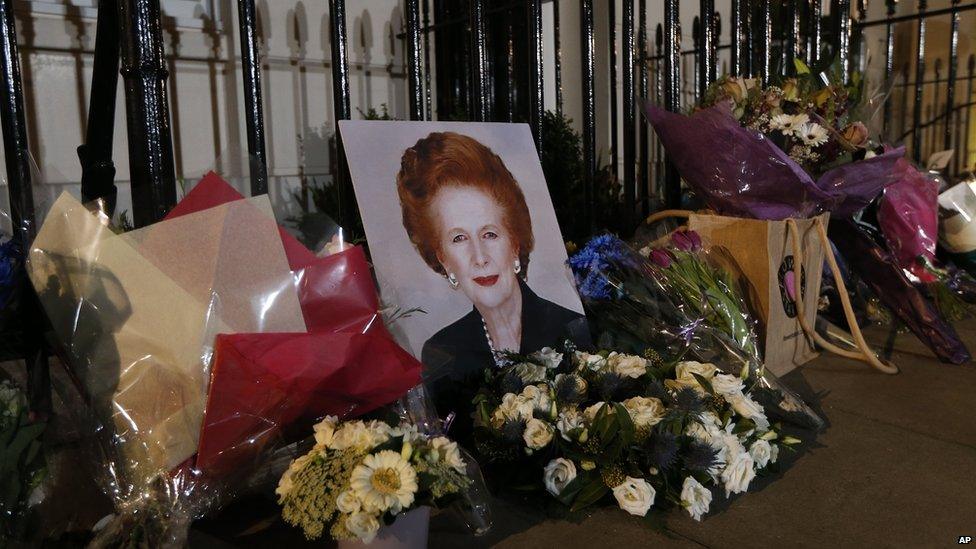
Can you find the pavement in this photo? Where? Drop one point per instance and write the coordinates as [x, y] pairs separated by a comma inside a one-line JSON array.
[[895, 467]]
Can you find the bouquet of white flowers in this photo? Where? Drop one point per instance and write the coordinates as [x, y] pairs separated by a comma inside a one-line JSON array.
[[644, 430], [361, 474]]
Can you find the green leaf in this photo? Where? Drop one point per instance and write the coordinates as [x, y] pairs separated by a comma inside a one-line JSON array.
[[707, 385], [744, 425], [571, 490], [801, 67], [590, 494], [627, 428]]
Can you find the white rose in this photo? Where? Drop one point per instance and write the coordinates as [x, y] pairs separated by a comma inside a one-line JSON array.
[[727, 385], [628, 365], [348, 503], [591, 362], [537, 434], [750, 409], [684, 374], [645, 412], [549, 357], [325, 430], [530, 373], [558, 473], [363, 525], [446, 450], [568, 421], [635, 496], [738, 473], [761, 452], [695, 498]]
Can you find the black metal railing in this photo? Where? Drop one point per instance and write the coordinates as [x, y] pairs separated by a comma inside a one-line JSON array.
[[925, 107]]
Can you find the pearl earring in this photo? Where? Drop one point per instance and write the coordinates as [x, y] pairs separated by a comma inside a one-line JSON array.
[[452, 279], [518, 266]]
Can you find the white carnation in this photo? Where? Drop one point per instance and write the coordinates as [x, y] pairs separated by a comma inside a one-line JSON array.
[[738, 473], [549, 357], [695, 498], [363, 525], [727, 385], [445, 450], [325, 430], [761, 452]]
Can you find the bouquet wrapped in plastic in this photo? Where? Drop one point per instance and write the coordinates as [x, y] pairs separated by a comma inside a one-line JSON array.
[[201, 340], [794, 150], [361, 475], [679, 301]]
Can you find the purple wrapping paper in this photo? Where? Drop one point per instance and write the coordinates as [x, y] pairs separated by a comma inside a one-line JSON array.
[[909, 218], [740, 172], [886, 279]]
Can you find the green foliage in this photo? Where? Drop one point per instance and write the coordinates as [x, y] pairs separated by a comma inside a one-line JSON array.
[[22, 466], [562, 164]]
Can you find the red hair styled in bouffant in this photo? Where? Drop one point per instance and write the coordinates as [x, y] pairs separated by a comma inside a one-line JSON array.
[[448, 159]]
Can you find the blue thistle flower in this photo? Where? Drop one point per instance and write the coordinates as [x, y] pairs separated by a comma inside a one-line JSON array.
[[700, 456], [662, 450], [512, 430], [9, 259], [512, 383], [688, 401]]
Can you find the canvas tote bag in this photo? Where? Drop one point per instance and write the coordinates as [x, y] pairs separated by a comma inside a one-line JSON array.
[[782, 261]]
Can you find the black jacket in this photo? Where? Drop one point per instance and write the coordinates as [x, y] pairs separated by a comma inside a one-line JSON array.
[[455, 357]]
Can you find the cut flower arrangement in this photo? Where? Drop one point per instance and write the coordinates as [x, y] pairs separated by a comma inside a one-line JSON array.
[[641, 430], [362, 474]]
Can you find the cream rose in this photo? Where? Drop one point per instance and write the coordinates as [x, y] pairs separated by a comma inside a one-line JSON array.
[[685, 374], [644, 411], [761, 452], [738, 473], [537, 434], [558, 473], [635, 496], [363, 525], [627, 365], [695, 498]]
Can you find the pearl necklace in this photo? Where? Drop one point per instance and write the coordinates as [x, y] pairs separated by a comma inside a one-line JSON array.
[[491, 345]]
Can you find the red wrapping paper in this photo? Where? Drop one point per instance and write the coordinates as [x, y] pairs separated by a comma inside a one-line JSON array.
[[262, 384]]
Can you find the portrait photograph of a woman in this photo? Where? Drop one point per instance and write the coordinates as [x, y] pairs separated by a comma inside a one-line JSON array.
[[493, 266]]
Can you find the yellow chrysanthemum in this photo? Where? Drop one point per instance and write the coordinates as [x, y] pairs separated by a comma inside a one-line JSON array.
[[384, 481]]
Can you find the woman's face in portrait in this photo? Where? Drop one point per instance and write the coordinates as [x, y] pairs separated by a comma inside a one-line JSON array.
[[475, 245]]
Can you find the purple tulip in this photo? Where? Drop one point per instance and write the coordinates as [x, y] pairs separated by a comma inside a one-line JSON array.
[[680, 240], [660, 258], [686, 241]]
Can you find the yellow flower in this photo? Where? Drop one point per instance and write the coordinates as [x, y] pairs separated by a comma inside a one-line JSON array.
[[384, 481]]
